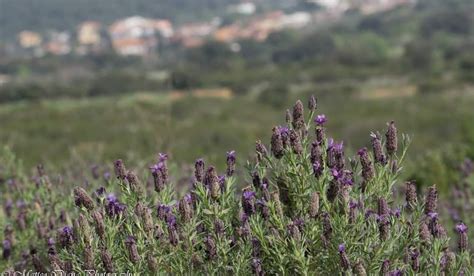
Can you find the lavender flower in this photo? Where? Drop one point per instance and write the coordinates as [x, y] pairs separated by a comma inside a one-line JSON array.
[[327, 228], [277, 143], [99, 224], [120, 170], [359, 269], [81, 198], [248, 201], [384, 269], [383, 227], [211, 249], [447, 260], [367, 168], [410, 195], [431, 201], [339, 155], [173, 234], [314, 207], [185, 208], [298, 116], [230, 163], [382, 206], [132, 249], [344, 259], [257, 267], [295, 142], [320, 135], [352, 211], [7, 249], [391, 135], [424, 232], [294, 232], [377, 149], [219, 227], [65, 237], [107, 260], [199, 170], [312, 103], [256, 247], [261, 150], [114, 207], [133, 183], [415, 261], [320, 120], [461, 228]]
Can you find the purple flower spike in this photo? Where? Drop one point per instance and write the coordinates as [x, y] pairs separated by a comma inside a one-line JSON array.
[[461, 228], [320, 120], [341, 248]]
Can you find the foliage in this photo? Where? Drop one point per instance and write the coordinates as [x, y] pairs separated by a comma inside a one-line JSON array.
[[309, 210]]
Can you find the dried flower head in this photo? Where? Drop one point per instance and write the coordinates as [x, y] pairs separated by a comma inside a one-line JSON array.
[[230, 163], [431, 201], [295, 142], [119, 169], [261, 150], [314, 207], [312, 103], [107, 262], [199, 170], [132, 249], [410, 195], [277, 143], [134, 183], [379, 156], [82, 199], [391, 136], [298, 116]]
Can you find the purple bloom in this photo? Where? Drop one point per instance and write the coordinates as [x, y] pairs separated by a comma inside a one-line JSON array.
[[433, 215], [100, 191], [341, 248], [51, 242], [336, 174], [461, 228], [369, 213], [396, 212], [362, 151], [114, 207], [171, 220], [248, 194], [396, 272], [320, 119], [163, 211], [111, 197], [162, 157], [156, 167], [353, 204]]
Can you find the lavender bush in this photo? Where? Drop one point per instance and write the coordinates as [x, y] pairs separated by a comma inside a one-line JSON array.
[[307, 210]]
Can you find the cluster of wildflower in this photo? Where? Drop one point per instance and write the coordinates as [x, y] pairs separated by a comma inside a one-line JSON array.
[[460, 203], [307, 209]]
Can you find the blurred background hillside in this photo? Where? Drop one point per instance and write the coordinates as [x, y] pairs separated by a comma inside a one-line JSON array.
[[114, 78]]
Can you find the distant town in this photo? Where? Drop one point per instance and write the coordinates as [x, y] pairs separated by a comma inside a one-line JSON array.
[[140, 36]]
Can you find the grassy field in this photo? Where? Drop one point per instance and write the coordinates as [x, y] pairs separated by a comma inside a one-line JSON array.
[[138, 126]]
